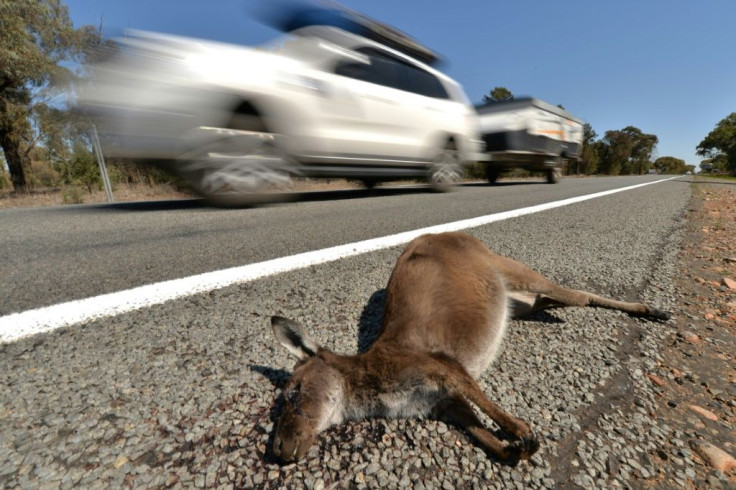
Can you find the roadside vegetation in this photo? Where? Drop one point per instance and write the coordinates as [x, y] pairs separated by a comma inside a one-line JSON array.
[[46, 146], [715, 178]]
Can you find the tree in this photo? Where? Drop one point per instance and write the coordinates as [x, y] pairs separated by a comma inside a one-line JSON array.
[[82, 168], [601, 149], [619, 145], [588, 161], [672, 165], [4, 178], [718, 163], [720, 144], [36, 36], [589, 153], [641, 154], [628, 151], [498, 94]]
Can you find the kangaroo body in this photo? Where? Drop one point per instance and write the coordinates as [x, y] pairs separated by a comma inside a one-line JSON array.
[[447, 304]]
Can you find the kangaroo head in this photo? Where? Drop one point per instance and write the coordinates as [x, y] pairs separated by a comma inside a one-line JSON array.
[[312, 396]]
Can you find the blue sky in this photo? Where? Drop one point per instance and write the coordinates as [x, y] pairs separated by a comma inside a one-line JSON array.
[[667, 67]]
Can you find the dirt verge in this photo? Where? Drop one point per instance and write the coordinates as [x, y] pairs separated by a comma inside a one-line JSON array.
[[696, 382]]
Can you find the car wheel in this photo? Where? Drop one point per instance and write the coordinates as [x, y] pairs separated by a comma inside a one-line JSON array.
[[369, 183], [492, 174], [446, 171], [234, 167], [553, 175]]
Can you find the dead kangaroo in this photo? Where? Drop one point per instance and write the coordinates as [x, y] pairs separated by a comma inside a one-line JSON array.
[[446, 311]]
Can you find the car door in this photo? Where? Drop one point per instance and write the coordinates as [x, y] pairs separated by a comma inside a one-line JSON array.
[[438, 114], [375, 118]]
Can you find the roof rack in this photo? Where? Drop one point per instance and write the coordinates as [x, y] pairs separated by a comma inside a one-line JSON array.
[[300, 15]]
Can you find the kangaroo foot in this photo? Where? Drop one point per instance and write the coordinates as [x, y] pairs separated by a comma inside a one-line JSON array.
[[522, 448]]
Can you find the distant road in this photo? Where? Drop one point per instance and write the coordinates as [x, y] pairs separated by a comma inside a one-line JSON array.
[[52, 255]]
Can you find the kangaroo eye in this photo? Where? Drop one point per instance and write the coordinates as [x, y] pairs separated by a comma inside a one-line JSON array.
[[292, 395], [292, 398]]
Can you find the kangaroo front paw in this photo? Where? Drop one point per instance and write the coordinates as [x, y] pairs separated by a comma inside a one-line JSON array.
[[531, 445], [522, 448]]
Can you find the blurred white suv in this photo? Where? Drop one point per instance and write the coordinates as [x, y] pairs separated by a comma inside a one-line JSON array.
[[238, 122]]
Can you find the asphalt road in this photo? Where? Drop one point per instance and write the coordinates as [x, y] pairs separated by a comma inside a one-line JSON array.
[[186, 392], [51, 255]]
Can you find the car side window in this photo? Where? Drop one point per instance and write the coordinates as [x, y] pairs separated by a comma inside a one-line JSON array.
[[381, 70], [421, 82], [390, 72], [387, 71], [407, 77], [355, 69]]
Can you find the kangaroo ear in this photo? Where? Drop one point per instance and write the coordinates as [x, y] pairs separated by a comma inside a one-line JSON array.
[[292, 336]]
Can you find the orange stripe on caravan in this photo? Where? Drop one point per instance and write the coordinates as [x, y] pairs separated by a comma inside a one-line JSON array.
[[550, 131]]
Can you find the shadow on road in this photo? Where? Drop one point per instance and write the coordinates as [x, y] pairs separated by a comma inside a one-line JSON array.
[[369, 325], [509, 183], [168, 205], [284, 199], [277, 377]]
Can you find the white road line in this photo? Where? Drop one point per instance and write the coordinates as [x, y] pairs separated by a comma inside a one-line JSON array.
[[30, 322]]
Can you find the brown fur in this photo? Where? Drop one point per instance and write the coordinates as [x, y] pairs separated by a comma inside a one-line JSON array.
[[445, 317]]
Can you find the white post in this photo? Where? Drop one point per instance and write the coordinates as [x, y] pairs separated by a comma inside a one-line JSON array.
[[101, 163]]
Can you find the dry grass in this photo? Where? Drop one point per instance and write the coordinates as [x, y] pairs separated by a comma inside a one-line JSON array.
[[76, 195]]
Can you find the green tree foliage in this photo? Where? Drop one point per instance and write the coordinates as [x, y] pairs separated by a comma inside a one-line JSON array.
[[588, 163], [626, 151], [618, 147], [672, 165], [720, 144], [719, 163], [82, 169], [36, 37], [498, 94], [641, 154], [601, 149], [60, 131]]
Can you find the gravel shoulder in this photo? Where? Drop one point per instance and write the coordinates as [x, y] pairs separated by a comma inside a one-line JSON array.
[[186, 394], [695, 379]]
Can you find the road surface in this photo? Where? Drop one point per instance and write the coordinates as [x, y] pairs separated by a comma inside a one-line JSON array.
[[186, 392]]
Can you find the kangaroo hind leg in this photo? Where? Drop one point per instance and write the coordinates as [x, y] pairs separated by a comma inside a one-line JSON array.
[[555, 296]]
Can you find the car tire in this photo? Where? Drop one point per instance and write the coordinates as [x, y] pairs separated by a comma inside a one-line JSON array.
[[239, 166], [553, 175], [492, 174], [446, 171], [369, 183]]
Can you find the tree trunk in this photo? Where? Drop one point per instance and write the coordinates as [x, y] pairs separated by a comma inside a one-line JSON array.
[[17, 160]]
